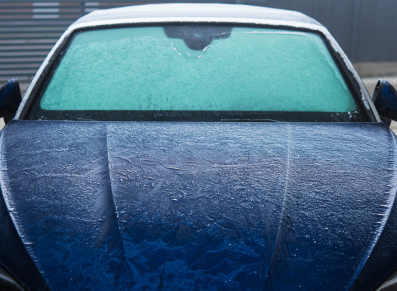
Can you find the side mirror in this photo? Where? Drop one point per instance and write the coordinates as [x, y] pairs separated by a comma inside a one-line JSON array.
[[385, 100], [10, 98]]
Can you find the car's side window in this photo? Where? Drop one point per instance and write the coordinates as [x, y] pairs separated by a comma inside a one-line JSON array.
[[188, 69]]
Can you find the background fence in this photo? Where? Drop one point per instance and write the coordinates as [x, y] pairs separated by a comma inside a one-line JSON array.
[[365, 29]]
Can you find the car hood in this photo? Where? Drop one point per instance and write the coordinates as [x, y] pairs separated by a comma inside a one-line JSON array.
[[203, 206]]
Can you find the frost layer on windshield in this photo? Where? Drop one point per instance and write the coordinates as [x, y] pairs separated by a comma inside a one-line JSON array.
[[253, 69]]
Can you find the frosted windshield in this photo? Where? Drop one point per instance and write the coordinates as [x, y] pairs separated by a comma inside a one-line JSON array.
[[241, 69]]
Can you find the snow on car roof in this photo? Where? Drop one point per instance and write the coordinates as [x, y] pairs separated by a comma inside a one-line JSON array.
[[197, 11]]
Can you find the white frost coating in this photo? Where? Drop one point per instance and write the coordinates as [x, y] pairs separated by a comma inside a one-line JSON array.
[[196, 10], [388, 206], [174, 48], [172, 44], [275, 32], [336, 71], [44, 65], [10, 204], [367, 100], [279, 241], [283, 23], [204, 49]]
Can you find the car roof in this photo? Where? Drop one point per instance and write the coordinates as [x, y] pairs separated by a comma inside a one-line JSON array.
[[221, 11]]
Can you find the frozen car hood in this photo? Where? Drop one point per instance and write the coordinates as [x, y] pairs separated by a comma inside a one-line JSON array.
[[178, 206]]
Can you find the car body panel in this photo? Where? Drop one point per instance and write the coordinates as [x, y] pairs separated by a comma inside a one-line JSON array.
[[184, 205], [239, 206]]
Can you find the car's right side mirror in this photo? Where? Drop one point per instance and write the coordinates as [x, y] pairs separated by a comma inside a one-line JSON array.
[[385, 100], [10, 98]]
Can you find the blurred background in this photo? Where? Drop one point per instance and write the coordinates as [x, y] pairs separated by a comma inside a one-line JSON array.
[[365, 29]]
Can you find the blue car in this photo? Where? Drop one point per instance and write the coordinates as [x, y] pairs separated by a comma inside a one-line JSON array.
[[197, 147]]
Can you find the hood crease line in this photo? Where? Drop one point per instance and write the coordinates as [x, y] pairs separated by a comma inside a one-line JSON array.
[[278, 239], [11, 206], [391, 201], [115, 211]]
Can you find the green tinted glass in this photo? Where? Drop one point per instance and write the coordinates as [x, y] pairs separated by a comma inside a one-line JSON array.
[[247, 69]]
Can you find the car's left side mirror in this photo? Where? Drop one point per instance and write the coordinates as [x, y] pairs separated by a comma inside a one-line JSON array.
[[10, 98], [385, 100]]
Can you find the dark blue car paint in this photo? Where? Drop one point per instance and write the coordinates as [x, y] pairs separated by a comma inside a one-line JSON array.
[[14, 257], [383, 259], [199, 206]]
